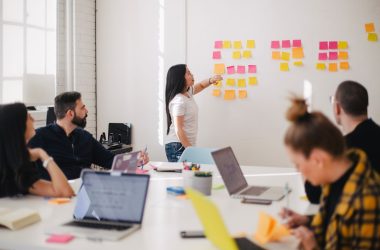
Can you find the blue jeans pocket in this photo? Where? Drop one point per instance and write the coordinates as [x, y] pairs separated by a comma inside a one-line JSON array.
[[174, 151]]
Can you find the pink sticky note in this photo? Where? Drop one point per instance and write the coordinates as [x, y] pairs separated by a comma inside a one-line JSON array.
[[251, 68], [323, 45], [218, 44], [275, 44], [216, 55], [322, 56], [297, 43], [60, 238], [231, 70], [286, 43], [333, 55], [241, 69], [333, 45], [141, 171]]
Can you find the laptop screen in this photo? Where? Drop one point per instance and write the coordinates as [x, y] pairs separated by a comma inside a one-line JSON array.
[[104, 196], [230, 170]]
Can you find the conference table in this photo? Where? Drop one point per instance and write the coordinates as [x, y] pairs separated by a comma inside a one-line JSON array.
[[166, 215]]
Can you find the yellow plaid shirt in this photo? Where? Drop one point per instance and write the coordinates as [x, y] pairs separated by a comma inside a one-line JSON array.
[[355, 222]]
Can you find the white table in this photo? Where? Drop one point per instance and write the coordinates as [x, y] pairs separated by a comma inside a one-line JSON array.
[[165, 216]]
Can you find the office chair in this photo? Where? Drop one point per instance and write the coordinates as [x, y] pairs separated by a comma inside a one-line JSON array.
[[197, 155], [50, 116]]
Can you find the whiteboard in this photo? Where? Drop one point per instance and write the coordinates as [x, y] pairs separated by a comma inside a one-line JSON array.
[[255, 127]]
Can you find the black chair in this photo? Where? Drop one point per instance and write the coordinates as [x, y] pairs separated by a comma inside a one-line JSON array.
[[50, 116]]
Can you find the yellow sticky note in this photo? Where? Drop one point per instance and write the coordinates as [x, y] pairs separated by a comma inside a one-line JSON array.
[[344, 65], [242, 94], [343, 55], [229, 94], [241, 83], [219, 69], [369, 27], [276, 55], [284, 67], [218, 84], [342, 45], [372, 37], [269, 229], [226, 44], [237, 45], [297, 53], [333, 67], [252, 80], [250, 44], [298, 63], [236, 55], [247, 54], [285, 56], [230, 82], [216, 92], [321, 66]]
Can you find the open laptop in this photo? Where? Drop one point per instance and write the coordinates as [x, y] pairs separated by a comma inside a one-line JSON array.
[[110, 205], [214, 227], [235, 181], [126, 162]]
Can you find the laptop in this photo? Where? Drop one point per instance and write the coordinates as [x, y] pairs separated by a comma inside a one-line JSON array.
[[214, 227], [235, 181], [126, 162], [109, 206]]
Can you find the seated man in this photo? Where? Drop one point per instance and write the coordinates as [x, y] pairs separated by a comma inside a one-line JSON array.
[[350, 110], [72, 147]]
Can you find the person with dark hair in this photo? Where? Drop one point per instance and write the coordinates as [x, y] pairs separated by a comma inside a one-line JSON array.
[[18, 171], [348, 216], [350, 104], [181, 109], [72, 147]]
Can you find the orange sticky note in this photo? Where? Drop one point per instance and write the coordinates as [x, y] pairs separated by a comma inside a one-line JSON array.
[[297, 53], [298, 63], [236, 55], [333, 67], [58, 201], [219, 69], [241, 83], [242, 94], [269, 230], [276, 55], [321, 66], [343, 55], [247, 54], [372, 37], [342, 45], [237, 45], [252, 80], [250, 44], [216, 92], [285, 56], [230, 82], [284, 67], [344, 65], [229, 94], [226, 44], [369, 27]]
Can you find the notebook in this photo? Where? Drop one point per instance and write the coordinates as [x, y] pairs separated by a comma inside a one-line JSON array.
[[214, 227], [235, 181], [110, 206], [126, 162]]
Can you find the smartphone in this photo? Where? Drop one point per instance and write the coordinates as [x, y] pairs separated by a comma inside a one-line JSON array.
[[192, 234], [256, 201]]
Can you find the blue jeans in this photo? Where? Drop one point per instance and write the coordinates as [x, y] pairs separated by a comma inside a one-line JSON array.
[[174, 151]]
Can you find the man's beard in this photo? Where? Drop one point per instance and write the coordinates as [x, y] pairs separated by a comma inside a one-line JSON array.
[[80, 122]]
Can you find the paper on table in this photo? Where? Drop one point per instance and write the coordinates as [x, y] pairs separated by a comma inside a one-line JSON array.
[[269, 229]]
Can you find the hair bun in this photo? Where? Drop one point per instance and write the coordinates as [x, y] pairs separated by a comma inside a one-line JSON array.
[[298, 109]]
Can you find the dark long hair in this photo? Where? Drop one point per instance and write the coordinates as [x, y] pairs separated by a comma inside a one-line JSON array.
[[175, 83], [14, 155]]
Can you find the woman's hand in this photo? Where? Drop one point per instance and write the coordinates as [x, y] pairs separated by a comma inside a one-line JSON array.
[[37, 154], [307, 238], [215, 79], [293, 219]]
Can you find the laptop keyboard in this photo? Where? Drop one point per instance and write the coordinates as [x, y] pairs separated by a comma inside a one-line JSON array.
[[245, 244], [97, 225], [254, 191]]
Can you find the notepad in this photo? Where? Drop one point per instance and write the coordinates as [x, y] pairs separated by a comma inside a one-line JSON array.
[[269, 229], [19, 218]]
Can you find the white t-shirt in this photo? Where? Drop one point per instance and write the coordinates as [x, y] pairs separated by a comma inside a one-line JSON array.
[[182, 105]]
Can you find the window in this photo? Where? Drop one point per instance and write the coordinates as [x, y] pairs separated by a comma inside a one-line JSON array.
[[28, 44]]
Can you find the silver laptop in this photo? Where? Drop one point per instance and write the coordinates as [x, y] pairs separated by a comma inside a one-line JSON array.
[[110, 206], [126, 162], [235, 181]]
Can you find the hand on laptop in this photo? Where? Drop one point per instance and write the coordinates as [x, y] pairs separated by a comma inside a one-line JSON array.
[[293, 219]]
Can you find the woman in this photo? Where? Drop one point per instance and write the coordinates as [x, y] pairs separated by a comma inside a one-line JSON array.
[[18, 173], [349, 212], [181, 109]]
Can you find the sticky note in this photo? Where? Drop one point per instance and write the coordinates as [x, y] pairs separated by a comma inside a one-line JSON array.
[[218, 84], [241, 83], [229, 95], [323, 45], [343, 55], [219, 69], [236, 55], [58, 201], [216, 55], [344, 65], [241, 69], [59, 238], [252, 69], [250, 44], [321, 66], [276, 55], [226, 44], [369, 27], [242, 94], [333, 67], [247, 54], [284, 66], [285, 44], [342, 45], [230, 82], [298, 63], [252, 80], [269, 229], [333, 55], [297, 53], [322, 56], [216, 92], [218, 44], [333, 45], [231, 70], [372, 37], [237, 45], [285, 56], [275, 44], [297, 44]]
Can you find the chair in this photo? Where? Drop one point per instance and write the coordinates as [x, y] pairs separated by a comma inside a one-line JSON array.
[[50, 116], [197, 155]]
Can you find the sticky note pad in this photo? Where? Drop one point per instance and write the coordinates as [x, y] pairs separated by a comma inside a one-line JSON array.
[[284, 66], [230, 82], [297, 44], [237, 45], [236, 55], [216, 55], [343, 55], [342, 45], [333, 55], [59, 201], [369, 27], [247, 54], [285, 56], [276, 55], [229, 95], [269, 229], [333, 45], [252, 80], [333, 67], [242, 94], [250, 44], [252, 69], [297, 53], [323, 45], [218, 44], [241, 69], [216, 92], [60, 238], [321, 66], [275, 44], [322, 56], [298, 63], [285, 44], [219, 69], [344, 65], [231, 70], [372, 37], [241, 83], [226, 44]]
